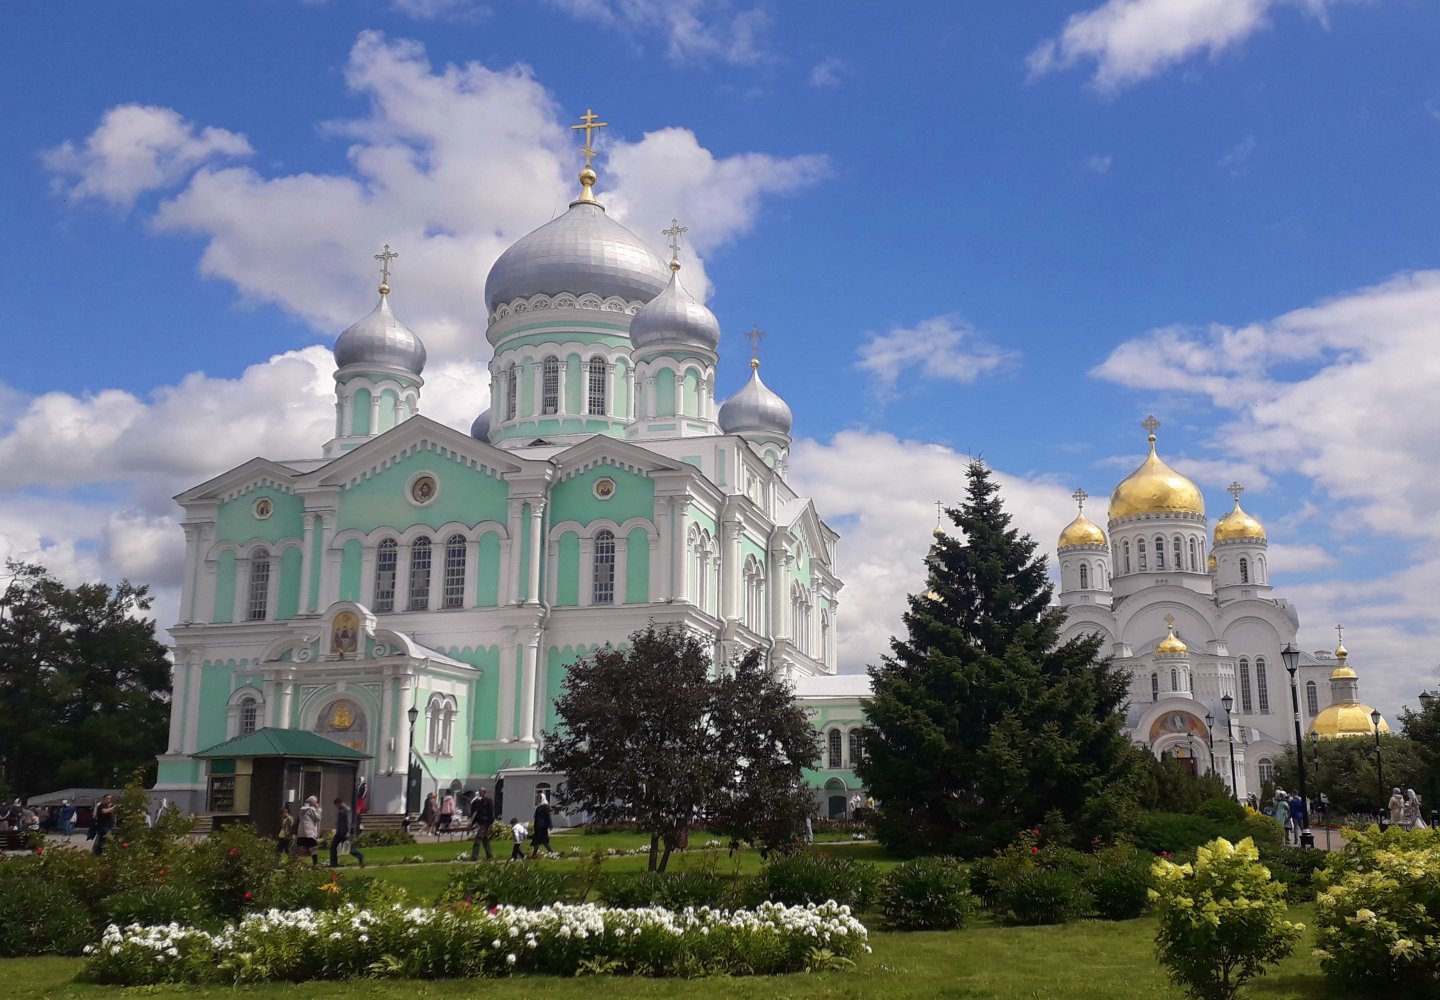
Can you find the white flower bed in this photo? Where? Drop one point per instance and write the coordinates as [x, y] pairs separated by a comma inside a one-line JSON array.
[[463, 941]]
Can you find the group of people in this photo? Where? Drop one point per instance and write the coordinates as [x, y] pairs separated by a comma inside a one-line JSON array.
[[1405, 809], [299, 836], [482, 824]]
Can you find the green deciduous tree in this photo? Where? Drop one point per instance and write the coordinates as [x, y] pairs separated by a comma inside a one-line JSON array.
[[1344, 770], [981, 721], [84, 683], [651, 733]]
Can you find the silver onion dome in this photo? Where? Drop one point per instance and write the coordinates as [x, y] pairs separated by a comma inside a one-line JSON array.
[[582, 251], [674, 317], [381, 339], [755, 409], [480, 429]]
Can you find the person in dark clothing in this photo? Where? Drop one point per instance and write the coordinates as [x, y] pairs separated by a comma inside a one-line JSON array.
[[103, 822], [343, 830], [482, 818], [542, 825]]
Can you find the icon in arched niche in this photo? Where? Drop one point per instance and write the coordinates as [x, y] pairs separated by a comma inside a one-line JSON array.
[[345, 634], [343, 721]]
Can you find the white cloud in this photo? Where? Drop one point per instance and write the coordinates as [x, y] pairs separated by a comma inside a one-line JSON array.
[[941, 347], [137, 148], [694, 30], [828, 73], [1100, 163], [1132, 40], [441, 10], [1237, 156]]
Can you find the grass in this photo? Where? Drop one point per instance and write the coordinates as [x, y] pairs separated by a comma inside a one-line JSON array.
[[1089, 960]]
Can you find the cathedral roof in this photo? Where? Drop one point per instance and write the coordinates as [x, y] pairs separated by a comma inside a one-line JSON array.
[[1346, 719], [1238, 526], [381, 340], [1155, 488], [674, 317], [755, 409]]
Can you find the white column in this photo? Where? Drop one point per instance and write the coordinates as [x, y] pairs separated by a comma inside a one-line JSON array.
[[679, 507], [402, 576], [505, 696], [406, 697], [374, 411], [779, 564], [181, 678], [192, 565], [660, 551], [587, 571], [730, 567], [387, 726], [510, 554], [287, 701], [537, 512], [329, 561], [307, 559], [530, 653], [242, 589]]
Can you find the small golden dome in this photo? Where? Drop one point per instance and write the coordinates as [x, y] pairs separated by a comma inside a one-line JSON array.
[[1171, 645], [1348, 718], [1155, 488], [1238, 525], [1344, 671], [1082, 531]]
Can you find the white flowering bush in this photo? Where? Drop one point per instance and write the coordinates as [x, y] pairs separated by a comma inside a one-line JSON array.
[[1222, 919], [1378, 927], [468, 941]]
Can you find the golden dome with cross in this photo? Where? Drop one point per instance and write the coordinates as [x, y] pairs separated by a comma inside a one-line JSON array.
[[1155, 488], [1171, 645], [1238, 525], [1082, 530]]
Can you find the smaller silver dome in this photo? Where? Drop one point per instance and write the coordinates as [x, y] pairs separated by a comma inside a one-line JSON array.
[[674, 317], [381, 339], [755, 410], [480, 429]]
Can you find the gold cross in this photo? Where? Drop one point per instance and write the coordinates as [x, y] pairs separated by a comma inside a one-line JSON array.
[[1080, 496], [1170, 622], [755, 335], [1151, 425], [385, 257], [1235, 489], [588, 125], [674, 233], [1340, 631]]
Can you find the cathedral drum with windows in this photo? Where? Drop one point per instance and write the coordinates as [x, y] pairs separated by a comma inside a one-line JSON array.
[[1193, 622], [417, 592]]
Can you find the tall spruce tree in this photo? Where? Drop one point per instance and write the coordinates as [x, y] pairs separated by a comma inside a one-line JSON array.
[[981, 722]]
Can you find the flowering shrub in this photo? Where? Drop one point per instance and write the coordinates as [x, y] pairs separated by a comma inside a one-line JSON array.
[[927, 894], [1379, 926], [1035, 882], [468, 941], [1222, 919]]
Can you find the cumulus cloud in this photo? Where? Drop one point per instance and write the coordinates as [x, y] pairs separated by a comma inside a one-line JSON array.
[[1132, 40], [441, 10], [941, 347], [694, 30], [828, 73], [1100, 163], [138, 148], [1237, 156]]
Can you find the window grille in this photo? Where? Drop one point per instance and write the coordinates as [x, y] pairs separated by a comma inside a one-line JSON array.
[[1159, 552], [1154, 687], [595, 403], [836, 747], [512, 391], [550, 386], [259, 597], [386, 555], [604, 578], [1246, 705], [249, 716], [420, 575], [1262, 684], [857, 748], [1312, 698], [1244, 571], [454, 596]]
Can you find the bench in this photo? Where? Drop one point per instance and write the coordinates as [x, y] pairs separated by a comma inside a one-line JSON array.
[[15, 840]]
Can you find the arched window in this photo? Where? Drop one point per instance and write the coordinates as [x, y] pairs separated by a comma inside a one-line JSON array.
[[857, 748], [419, 575], [550, 385], [595, 398], [454, 596], [512, 390], [386, 554], [1154, 687], [440, 725], [1267, 771], [249, 716], [1127, 557], [258, 603], [1262, 685], [1174, 679], [1159, 552], [754, 593], [835, 748], [1084, 577], [604, 575], [1312, 698], [1140, 552], [1176, 542], [1246, 705], [1244, 570], [1194, 561]]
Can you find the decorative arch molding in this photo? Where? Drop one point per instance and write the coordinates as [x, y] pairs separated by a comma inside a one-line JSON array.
[[600, 460], [259, 482], [235, 706], [589, 531], [369, 539], [528, 355], [441, 451], [565, 300], [248, 548]]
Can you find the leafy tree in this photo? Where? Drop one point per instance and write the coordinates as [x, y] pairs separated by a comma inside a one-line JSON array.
[[981, 721], [1423, 729], [648, 734], [1344, 770], [84, 682]]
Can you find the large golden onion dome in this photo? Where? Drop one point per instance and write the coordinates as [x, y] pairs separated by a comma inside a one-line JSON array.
[[1171, 645], [1082, 531], [1155, 488], [1346, 719], [1238, 525]]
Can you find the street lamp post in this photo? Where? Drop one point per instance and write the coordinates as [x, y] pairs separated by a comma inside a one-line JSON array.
[[1194, 768], [1210, 737], [412, 783], [1380, 769], [1319, 795], [1290, 656], [1229, 702]]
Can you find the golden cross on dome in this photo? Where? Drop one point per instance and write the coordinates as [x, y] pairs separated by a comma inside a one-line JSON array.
[[385, 257], [588, 125], [1170, 622], [1151, 425], [1080, 496], [674, 233], [1340, 632], [755, 335], [1235, 489]]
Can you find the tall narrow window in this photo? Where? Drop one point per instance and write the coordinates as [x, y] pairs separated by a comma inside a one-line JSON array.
[[1194, 563], [386, 555], [1312, 698], [454, 596], [1154, 687], [835, 748], [1267, 771], [258, 602], [1140, 551], [419, 575], [512, 390], [550, 385], [1159, 552], [1262, 685], [1127, 557], [1246, 705], [1244, 570], [604, 578], [1174, 679], [1178, 564], [1084, 577], [857, 748], [595, 398], [249, 716]]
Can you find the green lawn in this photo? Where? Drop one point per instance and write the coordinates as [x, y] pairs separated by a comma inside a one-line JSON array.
[[1082, 961]]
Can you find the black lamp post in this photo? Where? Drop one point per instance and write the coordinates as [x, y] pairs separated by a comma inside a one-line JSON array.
[[1210, 737], [412, 777], [1380, 770], [1290, 656], [1228, 702], [1194, 768]]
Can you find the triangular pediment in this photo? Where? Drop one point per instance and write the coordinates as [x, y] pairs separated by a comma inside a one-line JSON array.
[[227, 485], [803, 521], [601, 449], [420, 433]]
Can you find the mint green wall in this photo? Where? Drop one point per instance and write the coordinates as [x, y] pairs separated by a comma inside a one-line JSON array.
[[235, 521], [224, 610], [664, 393], [465, 495], [750, 547], [179, 772], [360, 424], [567, 571], [484, 691], [692, 393], [487, 572], [289, 598], [351, 560], [557, 660], [574, 384], [704, 520], [637, 567], [574, 499], [217, 681]]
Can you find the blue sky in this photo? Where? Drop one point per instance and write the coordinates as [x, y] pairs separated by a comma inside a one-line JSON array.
[[1007, 229]]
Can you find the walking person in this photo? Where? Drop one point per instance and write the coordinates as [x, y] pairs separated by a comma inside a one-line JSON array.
[[428, 813], [344, 830], [1282, 812], [67, 817], [103, 822], [482, 818], [309, 837], [519, 833], [447, 814], [1299, 815], [1413, 818], [285, 836], [542, 825], [1396, 805]]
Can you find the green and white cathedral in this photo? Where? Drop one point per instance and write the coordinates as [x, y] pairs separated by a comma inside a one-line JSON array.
[[412, 565]]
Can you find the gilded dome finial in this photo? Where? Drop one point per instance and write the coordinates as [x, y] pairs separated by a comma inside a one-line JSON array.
[[1151, 425], [385, 257], [588, 124], [755, 335], [1238, 525], [674, 233], [1080, 496], [1340, 651], [939, 531], [1172, 643]]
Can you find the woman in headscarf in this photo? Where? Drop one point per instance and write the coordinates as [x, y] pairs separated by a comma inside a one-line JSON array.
[[309, 828], [1413, 819], [1396, 807]]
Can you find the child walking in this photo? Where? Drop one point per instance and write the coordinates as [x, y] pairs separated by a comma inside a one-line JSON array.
[[518, 830]]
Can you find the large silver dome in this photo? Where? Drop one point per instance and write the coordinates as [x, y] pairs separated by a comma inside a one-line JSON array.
[[674, 317], [582, 251], [381, 339], [755, 410]]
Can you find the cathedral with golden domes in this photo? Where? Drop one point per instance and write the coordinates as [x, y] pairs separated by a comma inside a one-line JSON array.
[[1191, 617]]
